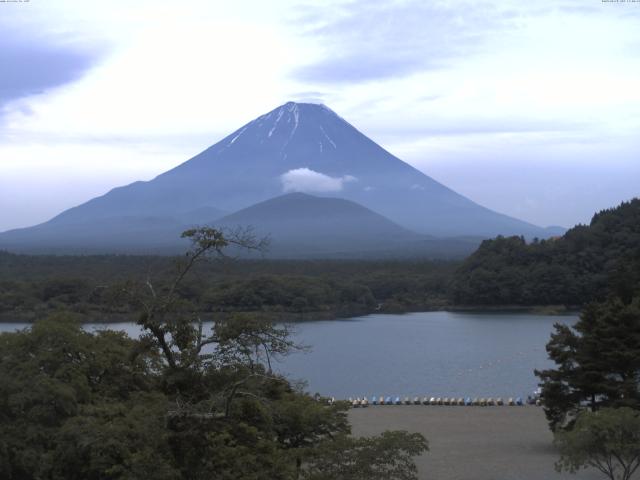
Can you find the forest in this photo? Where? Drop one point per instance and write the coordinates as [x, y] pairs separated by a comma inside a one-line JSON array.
[[588, 263], [91, 286]]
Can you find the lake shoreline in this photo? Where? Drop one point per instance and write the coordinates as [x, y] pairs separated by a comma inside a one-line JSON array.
[[299, 317], [439, 354]]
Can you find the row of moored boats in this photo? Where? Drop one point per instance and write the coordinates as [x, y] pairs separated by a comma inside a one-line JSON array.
[[468, 401]]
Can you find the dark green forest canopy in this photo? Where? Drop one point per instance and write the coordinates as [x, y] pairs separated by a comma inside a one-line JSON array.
[[80, 405], [588, 263], [88, 285]]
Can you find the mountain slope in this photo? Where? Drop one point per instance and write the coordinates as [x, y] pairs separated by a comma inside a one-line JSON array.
[[300, 224], [110, 234], [297, 147], [304, 226]]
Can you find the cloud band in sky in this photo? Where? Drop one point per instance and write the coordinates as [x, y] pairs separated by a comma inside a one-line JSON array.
[[32, 64]]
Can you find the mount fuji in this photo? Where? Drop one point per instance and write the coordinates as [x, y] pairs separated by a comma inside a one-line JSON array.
[[297, 147]]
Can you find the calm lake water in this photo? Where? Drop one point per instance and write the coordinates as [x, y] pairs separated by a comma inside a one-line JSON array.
[[430, 353]]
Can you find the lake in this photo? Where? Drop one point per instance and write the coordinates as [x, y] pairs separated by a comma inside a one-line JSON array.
[[429, 353]]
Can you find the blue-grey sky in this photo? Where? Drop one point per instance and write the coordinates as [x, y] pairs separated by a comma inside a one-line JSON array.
[[529, 108]]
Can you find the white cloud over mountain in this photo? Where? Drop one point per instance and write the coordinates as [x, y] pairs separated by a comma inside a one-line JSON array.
[[309, 181]]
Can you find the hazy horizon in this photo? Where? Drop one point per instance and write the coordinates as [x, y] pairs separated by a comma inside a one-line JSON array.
[[530, 110]]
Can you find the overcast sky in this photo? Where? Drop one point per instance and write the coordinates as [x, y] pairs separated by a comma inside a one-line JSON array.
[[528, 108]]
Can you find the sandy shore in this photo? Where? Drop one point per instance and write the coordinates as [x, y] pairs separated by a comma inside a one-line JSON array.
[[473, 443]]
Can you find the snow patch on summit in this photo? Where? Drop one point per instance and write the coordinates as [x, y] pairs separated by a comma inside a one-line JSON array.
[[237, 136], [328, 138], [273, 129]]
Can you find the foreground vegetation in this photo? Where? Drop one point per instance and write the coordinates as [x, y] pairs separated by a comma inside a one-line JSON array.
[[591, 397], [597, 362], [178, 403], [607, 440]]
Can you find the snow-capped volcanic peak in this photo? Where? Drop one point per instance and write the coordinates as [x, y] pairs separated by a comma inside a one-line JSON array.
[[280, 126], [300, 147]]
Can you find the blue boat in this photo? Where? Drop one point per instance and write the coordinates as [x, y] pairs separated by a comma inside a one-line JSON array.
[[398, 401], [467, 401], [388, 401], [519, 401], [374, 400]]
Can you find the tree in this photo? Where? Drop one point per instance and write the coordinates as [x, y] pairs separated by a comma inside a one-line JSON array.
[[168, 318], [598, 362], [179, 403], [389, 455], [608, 440], [73, 404]]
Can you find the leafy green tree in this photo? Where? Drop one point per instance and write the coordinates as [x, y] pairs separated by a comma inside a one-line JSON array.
[[389, 455], [608, 440], [55, 376], [178, 403], [598, 362]]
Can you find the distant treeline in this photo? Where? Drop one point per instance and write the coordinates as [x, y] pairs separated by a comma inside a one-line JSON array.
[[586, 264], [92, 285]]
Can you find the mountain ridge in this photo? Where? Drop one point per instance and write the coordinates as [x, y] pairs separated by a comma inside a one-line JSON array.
[[297, 147], [300, 225]]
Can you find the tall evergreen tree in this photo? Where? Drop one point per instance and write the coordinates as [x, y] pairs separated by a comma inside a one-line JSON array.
[[598, 362]]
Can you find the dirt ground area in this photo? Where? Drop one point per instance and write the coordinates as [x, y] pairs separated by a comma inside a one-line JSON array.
[[473, 443]]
